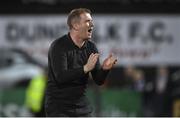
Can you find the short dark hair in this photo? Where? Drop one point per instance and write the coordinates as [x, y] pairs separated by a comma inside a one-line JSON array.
[[75, 15]]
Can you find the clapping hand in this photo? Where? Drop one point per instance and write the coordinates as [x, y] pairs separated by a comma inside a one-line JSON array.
[[109, 62], [91, 62]]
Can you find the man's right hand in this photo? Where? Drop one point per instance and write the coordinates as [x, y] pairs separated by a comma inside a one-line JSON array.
[[91, 62]]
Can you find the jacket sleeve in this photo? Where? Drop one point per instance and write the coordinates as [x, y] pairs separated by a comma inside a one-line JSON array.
[[99, 75], [59, 66]]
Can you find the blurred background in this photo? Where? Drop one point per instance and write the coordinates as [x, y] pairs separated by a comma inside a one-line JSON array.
[[142, 34]]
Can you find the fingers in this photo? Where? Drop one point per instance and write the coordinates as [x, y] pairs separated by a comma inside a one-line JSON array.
[[112, 59], [91, 62], [94, 56]]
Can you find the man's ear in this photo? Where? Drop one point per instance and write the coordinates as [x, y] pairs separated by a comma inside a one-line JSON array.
[[75, 26]]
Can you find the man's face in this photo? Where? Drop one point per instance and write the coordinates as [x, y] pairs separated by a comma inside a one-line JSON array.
[[85, 26]]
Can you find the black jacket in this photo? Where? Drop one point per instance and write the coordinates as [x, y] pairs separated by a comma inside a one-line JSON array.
[[67, 82]]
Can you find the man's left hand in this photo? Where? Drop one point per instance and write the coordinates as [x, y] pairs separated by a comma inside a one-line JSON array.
[[109, 62]]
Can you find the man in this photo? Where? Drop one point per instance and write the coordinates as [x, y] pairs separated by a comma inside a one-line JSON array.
[[71, 59]]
